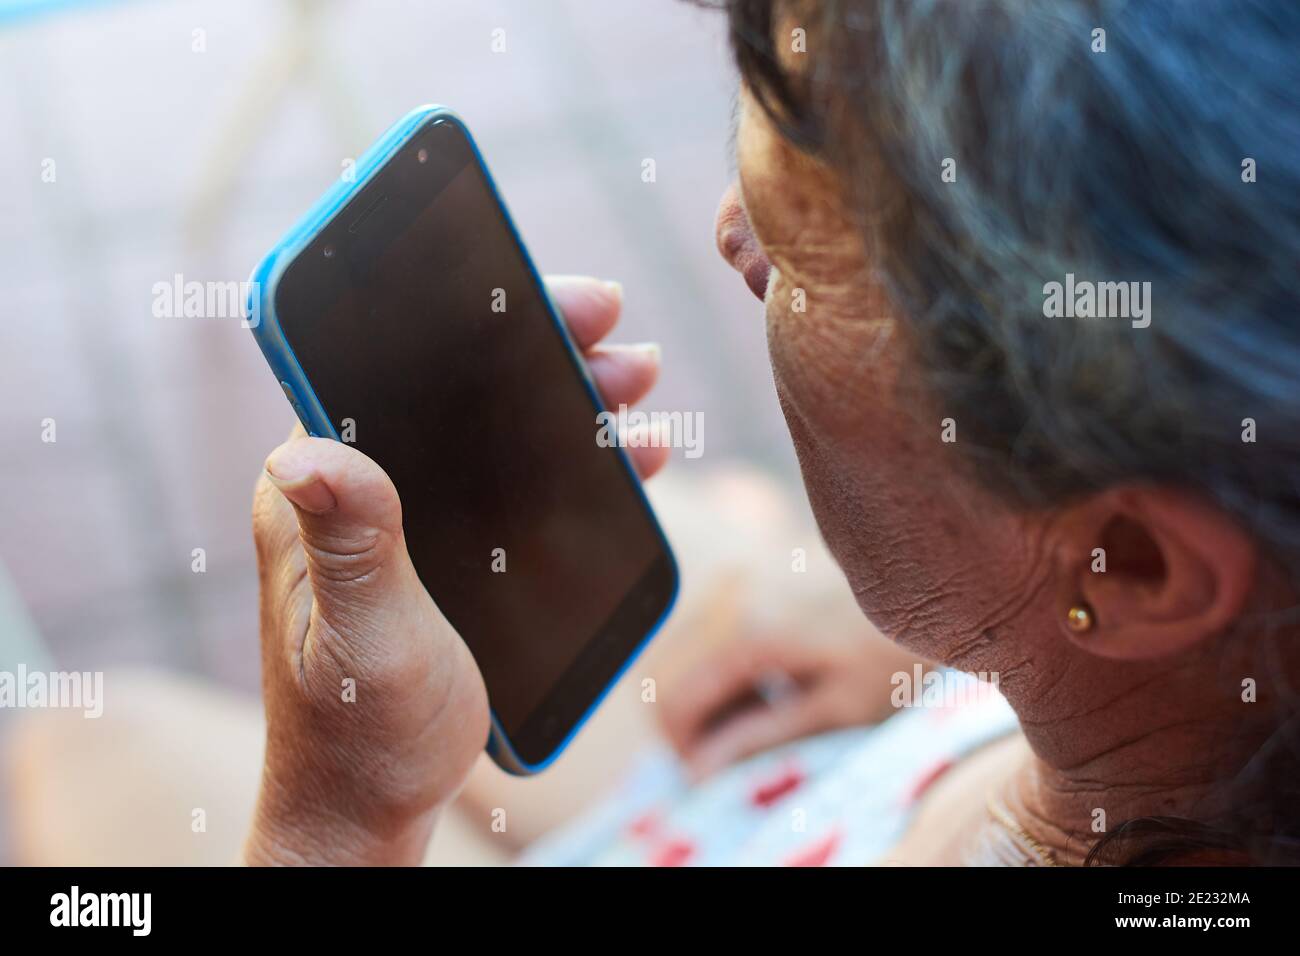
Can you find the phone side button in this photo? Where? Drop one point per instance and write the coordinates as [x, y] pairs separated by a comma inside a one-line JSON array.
[[297, 407]]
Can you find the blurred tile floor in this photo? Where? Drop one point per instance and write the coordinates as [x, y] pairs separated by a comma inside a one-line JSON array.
[[162, 424]]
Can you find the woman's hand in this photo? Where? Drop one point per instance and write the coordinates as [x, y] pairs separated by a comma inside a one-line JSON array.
[[375, 709], [757, 692]]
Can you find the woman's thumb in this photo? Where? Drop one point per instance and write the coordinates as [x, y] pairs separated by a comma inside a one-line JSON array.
[[350, 521]]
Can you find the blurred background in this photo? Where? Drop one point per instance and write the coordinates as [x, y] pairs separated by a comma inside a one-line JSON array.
[[148, 138]]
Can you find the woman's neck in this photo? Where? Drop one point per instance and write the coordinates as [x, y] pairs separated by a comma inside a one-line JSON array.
[[1004, 806], [1172, 768]]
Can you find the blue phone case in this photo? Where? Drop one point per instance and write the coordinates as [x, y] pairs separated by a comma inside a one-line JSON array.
[[266, 329]]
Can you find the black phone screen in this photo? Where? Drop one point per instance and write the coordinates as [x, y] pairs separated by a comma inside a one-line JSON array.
[[420, 323]]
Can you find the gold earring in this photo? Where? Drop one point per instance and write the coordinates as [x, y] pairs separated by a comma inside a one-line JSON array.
[[1079, 618]]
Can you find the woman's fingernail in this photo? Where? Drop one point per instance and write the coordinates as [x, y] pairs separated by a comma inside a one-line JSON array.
[[303, 487], [651, 350], [615, 287]]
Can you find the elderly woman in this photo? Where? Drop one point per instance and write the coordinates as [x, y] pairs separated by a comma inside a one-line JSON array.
[[1030, 281]]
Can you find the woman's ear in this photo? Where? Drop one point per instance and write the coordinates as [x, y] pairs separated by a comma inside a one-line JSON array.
[[1155, 569]]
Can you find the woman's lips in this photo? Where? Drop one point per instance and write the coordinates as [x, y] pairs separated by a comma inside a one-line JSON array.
[[736, 242]]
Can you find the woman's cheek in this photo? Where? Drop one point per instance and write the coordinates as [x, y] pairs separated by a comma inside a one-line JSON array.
[[833, 367]]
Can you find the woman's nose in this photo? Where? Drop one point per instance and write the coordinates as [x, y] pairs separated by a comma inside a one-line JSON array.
[[737, 243]]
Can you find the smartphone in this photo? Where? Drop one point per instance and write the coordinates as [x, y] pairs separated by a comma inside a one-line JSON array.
[[404, 315]]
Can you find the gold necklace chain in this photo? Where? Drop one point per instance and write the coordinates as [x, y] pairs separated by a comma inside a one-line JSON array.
[[1002, 816]]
